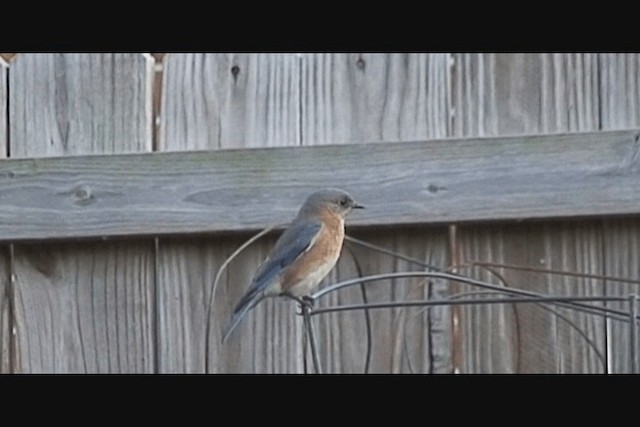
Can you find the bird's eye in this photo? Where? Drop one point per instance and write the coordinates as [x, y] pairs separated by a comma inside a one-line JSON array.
[[344, 202]]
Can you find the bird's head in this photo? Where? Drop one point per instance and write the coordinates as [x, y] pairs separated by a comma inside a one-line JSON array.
[[336, 201]]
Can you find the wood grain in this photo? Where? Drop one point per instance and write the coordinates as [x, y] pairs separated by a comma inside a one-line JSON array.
[[364, 109], [229, 101], [403, 340], [620, 92], [222, 101], [368, 97], [406, 183], [296, 87], [622, 255], [381, 98], [4, 85], [527, 338], [511, 94], [80, 104], [522, 94], [85, 308], [82, 307], [5, 311]]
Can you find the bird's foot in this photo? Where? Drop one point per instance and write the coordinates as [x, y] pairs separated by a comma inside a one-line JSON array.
[[304, 302], [308, 301]]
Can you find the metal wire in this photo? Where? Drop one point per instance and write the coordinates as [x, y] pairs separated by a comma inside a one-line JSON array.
[[632, 315], [633, 331], [575, 327], [429, 303], [557, 272], [510, 295], [391, 253], [308, 326], [620, 315], [367, 315], [214, 287]]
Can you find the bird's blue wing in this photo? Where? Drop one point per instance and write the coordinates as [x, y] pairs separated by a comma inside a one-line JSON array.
[[294, 242]]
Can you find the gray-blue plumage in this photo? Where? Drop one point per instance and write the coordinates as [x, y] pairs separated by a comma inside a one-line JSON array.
[[294, 242], [317, 230]]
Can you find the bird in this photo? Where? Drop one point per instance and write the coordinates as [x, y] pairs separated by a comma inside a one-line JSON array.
[[303, 255]]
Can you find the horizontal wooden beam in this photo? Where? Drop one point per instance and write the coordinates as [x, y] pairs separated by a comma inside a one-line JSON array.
[[443, 181]]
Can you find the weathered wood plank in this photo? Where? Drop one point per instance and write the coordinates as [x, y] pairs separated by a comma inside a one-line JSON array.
[[213, 101], [527, 338], [4, 82], [620, 92], [501, 94], [383, 98], [509, 94], [187, 269], [363, 98], [272, 321], [404, 340], [70, 104], [418, 182], [229, 101], [82, 307], [622, 259], [5, 311], [4, 271]]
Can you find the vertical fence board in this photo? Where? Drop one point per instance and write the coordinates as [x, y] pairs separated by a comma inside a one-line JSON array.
[[5, 314], [5, 311], [404, 340], [363, 98], [622, 259], [358, 98], [90, 307], [217, 101], [4, 82], [82, 307], [620, 92], [515, 94], [229, 101], [85, 308], [525, 337], [502, 94]]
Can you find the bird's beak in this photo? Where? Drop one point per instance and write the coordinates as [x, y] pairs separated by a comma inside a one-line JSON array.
[[357, 206]]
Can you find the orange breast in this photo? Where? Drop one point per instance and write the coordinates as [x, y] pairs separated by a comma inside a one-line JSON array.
[[313, 266]]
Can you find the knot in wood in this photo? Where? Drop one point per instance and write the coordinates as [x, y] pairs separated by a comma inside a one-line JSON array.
[[433, 188], [235, 70], [83, 194]]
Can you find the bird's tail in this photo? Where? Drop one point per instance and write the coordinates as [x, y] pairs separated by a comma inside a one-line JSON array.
[[246, 303]]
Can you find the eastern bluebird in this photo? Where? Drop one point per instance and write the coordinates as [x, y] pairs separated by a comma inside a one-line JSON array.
[[303, 255]]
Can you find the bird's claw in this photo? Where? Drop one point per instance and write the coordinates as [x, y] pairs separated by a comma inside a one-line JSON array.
[[306, 302]]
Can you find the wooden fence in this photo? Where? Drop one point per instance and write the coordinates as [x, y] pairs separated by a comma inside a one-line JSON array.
[[120, 199]]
